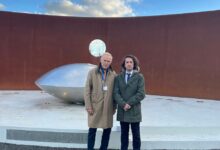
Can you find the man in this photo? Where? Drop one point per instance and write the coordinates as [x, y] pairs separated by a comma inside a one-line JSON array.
[[98, 101], [129, 90]]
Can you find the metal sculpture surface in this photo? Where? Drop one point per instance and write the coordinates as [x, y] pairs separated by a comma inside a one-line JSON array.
[[66, 82]]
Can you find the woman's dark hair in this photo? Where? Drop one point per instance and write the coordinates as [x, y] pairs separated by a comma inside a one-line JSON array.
[[135, 60]]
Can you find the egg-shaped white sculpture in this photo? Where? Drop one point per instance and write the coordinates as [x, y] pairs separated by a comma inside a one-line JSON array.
[[66, 82]]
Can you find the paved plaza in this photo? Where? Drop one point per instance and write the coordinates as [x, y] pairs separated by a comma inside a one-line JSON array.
[[35, 118]]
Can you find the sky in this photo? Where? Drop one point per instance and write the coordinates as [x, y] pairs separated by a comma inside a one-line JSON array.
[[109, 8]]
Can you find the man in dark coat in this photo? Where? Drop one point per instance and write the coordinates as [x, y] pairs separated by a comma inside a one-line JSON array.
[[129, 90]]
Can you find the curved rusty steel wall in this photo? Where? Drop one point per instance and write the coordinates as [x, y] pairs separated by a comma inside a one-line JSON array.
[[179, 54]]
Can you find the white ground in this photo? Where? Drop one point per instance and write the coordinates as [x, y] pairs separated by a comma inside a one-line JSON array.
[[164, 118]]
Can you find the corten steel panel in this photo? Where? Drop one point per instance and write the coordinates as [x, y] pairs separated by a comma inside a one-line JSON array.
[[179, 54]]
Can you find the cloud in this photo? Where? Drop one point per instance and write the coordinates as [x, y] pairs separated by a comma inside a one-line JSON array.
[[90, 8], [2, 7], [133, 1]]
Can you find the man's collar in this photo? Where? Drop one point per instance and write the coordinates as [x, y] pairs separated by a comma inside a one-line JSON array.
[[101, 68], [131, 72]]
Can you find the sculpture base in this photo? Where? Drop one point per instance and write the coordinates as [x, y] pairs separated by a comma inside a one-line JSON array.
[[37, 120]]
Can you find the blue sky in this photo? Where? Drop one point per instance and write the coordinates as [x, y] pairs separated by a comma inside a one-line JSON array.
[[109, 8]]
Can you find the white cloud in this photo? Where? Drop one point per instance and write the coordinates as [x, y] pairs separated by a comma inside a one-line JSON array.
[[2, 7], [90, 8], [133, 1]]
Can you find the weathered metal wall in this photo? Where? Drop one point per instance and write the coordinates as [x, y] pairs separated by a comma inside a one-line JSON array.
[[179, 54]]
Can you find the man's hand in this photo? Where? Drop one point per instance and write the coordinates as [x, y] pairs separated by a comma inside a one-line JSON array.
[[90, 110], [126, 107]]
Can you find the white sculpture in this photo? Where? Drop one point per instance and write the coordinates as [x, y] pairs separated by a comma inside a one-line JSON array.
[[66, 82]]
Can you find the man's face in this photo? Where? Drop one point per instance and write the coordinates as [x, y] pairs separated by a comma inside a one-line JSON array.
[[129, 64], [106, 61]]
